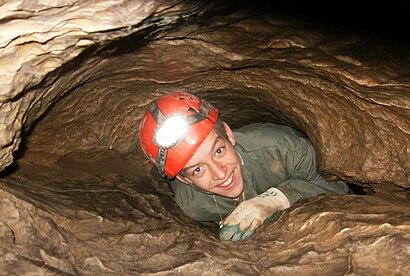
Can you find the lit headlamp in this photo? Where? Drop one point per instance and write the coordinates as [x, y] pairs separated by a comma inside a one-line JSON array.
[[173, 128], [171, 131]]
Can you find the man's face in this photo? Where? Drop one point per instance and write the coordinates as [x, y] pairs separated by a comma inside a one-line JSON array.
[[216, 166]]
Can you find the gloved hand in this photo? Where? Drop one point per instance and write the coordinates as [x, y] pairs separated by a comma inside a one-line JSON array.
[[250, 214]]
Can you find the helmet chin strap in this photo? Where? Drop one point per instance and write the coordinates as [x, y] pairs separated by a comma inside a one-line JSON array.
[[162, 152]]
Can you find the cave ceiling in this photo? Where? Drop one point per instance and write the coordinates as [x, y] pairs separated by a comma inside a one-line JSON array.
[[78, 197]]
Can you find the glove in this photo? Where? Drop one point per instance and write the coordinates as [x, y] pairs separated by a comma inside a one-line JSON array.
[[250, 214]]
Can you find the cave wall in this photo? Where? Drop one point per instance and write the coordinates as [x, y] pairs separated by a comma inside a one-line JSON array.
[[37, 39], [356, 236], [353, 104], [81, 199]]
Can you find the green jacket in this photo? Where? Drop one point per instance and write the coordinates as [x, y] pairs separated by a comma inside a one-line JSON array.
[[273, 156]]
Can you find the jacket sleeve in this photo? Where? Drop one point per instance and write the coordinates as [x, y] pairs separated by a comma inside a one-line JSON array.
[[299, 158]]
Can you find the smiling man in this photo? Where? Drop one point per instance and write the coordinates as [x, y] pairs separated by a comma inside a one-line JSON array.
[[237, 178]]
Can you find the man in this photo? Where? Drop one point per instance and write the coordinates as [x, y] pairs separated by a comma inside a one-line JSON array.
[[240, 178]]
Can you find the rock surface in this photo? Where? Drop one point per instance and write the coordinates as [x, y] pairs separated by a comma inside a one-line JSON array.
[[80, 197], [108, 227]]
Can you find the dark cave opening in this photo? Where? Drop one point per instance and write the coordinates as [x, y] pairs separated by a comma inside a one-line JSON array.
[[378, 20]]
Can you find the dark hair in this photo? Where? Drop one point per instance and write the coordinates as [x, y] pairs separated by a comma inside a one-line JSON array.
[[220, 128]]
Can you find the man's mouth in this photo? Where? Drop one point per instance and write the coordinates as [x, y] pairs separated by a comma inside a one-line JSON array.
[[229, 183]]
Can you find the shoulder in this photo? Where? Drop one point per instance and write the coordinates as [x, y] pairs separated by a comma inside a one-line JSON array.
[[256, 136]]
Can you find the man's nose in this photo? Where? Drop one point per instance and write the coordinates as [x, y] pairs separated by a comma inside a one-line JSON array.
[[219, 170]]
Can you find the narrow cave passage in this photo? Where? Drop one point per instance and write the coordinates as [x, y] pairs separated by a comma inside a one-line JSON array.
[[89, 202]]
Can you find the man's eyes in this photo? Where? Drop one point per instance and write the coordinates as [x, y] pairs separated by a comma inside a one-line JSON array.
[[220, 150], [196, 171]]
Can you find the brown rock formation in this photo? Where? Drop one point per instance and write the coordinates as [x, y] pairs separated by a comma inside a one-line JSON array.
[[81, 199]]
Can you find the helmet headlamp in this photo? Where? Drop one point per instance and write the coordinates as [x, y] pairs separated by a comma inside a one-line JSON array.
[[171, 131], [173, 128]]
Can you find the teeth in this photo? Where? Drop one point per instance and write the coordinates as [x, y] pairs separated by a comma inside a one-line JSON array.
[[227, 182]]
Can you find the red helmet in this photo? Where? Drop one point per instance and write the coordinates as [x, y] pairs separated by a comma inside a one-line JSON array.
[[173, 128]]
